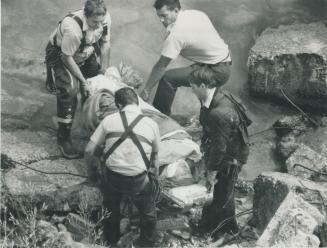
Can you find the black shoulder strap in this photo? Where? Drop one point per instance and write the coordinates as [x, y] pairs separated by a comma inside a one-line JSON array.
[[245, 121], [80, 24], [135, 141], [123, 136]]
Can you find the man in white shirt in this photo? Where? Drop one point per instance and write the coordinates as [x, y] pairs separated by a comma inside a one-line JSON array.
[[75, 48], [190, 34], [131, 143]]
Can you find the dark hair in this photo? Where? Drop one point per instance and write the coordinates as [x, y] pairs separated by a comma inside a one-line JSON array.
[[171, 4], [94, 8], [209, 77], [126, 96]]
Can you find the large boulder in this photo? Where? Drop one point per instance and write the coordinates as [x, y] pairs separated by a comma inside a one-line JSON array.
[[59, 192], [291, 59], [293, 223], [271, 188], [307, 163]]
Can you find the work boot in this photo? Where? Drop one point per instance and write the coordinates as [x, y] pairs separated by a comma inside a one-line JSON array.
[[65, 144]]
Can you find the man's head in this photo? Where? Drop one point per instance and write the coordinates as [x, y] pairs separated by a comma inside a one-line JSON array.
[[125, 96], [95, 12], [204, 78], [167, 11]]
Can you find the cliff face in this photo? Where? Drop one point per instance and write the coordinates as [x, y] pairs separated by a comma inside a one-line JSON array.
[[291, 58]]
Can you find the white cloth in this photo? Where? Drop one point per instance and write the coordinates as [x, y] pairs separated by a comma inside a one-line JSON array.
[[195, 38], [170, 150]]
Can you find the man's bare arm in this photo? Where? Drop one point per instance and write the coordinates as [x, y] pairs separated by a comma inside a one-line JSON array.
[[157, 73], [105, 55], [71, 65]]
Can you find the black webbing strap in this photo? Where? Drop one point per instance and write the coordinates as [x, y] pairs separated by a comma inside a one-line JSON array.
[[80, 24], [245, 121], [135, 140], [128, 130]]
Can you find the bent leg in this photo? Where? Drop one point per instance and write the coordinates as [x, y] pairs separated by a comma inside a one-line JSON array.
[[167, 88]]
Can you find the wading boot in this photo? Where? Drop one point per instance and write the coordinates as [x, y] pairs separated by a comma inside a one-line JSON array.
[[65, 143]]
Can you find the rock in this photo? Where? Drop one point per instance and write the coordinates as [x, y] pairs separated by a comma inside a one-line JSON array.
[[271, 188], [305, 156], [172, 223], [21, 106], [14, 124], [58, 192], [300, 240], [287, 145], [294, 217], [25, 146], [79, 226], [295, 124], [45, 230], [293, 59]]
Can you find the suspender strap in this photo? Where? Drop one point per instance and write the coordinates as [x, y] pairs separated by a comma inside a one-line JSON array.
[[118, 134], [80, 24], [123, 136], [135, 140]]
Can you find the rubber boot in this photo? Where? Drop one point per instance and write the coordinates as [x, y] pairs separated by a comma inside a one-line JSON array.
[[65, 143]]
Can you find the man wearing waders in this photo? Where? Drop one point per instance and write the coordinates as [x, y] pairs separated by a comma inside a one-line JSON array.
[[130, 143], [78, 49], [225, 145]]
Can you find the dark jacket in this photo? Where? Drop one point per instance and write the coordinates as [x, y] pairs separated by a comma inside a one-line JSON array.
[[222, 132]]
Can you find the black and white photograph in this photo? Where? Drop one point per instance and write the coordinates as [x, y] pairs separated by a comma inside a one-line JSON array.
[[163, 123]]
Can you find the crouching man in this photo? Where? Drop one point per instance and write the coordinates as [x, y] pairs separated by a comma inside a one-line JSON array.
[[130, 144], [79, 41], [225, 147]]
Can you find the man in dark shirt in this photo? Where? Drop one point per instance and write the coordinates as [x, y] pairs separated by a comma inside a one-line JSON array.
[[225, 147]]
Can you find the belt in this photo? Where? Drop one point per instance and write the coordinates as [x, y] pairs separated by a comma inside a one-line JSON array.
[[124, 176]]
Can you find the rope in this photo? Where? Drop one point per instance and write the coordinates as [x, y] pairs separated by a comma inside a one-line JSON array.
[[225, 221], [50, 173], [307, 168], [299, 109]]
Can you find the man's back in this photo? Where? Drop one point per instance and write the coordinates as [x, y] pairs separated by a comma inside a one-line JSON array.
[[195, 38], [126, 158]]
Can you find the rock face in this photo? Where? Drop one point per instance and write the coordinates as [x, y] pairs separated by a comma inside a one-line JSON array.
[[271, 188], [293, 223], [293, 59], [58, 192], [25, 146]]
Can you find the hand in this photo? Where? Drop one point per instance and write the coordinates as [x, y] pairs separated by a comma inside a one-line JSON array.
[[211, 180], [145, 95], [102, 71], [85, 91]]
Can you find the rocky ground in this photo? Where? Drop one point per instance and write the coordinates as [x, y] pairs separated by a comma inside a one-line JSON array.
[[287, 209]]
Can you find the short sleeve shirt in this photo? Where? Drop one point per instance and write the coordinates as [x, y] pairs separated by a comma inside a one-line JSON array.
[[195, 38], [69, 33], [126, 158]]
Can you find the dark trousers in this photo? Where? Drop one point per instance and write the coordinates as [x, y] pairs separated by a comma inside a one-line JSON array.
[[175, 78], [223, 204], [140, 190], [67, 85]]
